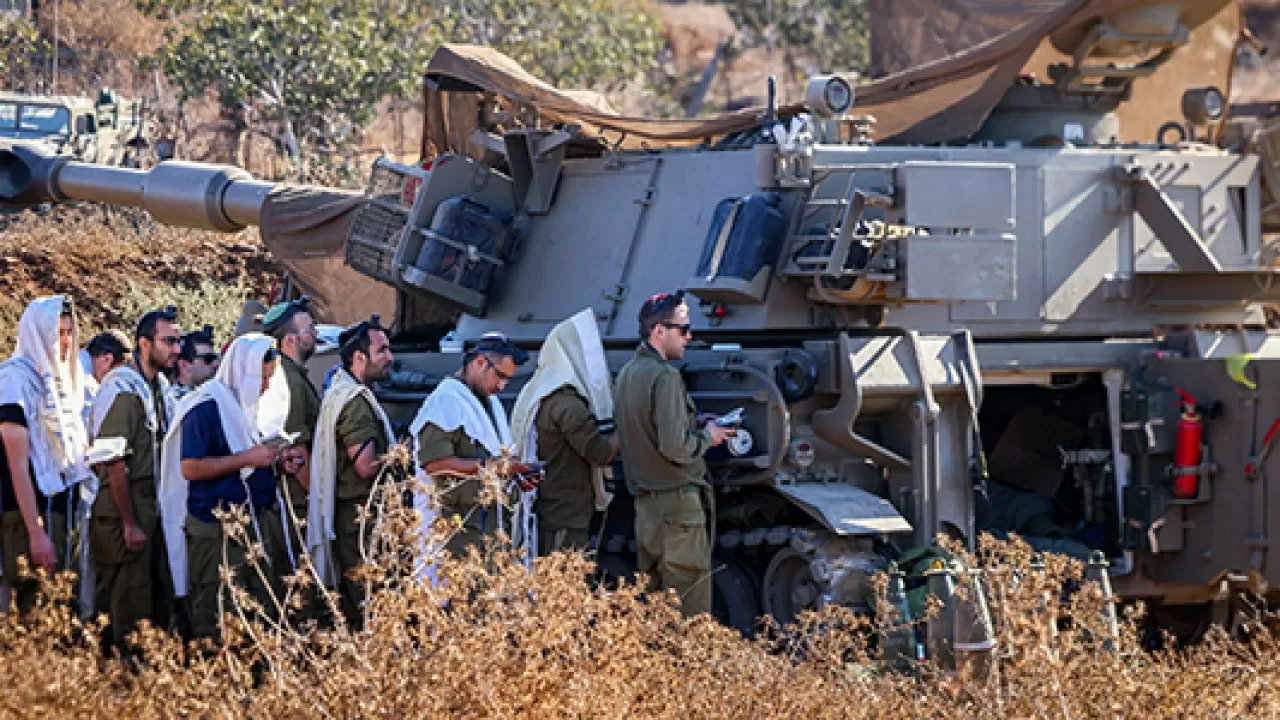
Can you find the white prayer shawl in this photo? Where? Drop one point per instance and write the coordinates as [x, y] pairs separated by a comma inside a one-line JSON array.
[[322, 498], [90, 384], [126, 379], [174, 394], [572, 355], [51, 394], [273, 408], [236, 389], [450, 406]]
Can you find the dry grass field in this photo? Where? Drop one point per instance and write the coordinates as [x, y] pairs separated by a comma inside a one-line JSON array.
[[495, 640]]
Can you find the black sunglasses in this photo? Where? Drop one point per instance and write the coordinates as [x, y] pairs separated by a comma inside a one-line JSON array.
[[208, 358], [684, 328]]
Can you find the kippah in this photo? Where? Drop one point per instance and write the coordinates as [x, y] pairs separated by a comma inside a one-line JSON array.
[[496, 343], [660, 304], [281, 313], [352, 331]]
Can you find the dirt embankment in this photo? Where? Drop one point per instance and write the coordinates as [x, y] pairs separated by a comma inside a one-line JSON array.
[[114, 263]]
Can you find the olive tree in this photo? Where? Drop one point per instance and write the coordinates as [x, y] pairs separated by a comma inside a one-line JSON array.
[[317, 68], [823, 34], [22, 51]]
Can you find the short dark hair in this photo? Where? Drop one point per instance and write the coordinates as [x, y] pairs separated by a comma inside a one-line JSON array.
[[189, 341], [148, 322], [110, 342], [358, 338], [658, 309], [494, 345]]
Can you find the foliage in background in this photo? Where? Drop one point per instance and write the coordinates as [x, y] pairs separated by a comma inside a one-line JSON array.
[[118, 263], [590, 44], [815, 35], [22, 52], [315, 69], [211, 303]]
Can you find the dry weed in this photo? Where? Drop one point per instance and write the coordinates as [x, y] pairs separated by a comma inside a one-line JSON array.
[[493, 639]]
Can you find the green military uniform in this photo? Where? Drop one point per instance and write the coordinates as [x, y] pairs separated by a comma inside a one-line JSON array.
[[662, 450], [357, 424], [460, 496], [16, 543], [304, 412], [129, 584], [205, 558], [571, 447]]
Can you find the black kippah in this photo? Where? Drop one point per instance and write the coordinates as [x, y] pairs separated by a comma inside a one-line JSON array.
[[495, 343]]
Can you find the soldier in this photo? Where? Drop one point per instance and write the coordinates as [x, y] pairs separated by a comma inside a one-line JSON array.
[[124, 529], [42, 443], [352, 435], [107, 351], [564, 416], [460, 426], [291, 325], [197, 362], [213, 443], [662, 449]]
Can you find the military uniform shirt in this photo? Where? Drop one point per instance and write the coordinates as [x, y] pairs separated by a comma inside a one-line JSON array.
[[127, 418], [304, 413], [571, 446], [662, 446], [456, 493], [357, 424], [304, 402]]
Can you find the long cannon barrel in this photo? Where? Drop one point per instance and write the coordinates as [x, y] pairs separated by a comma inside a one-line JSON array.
[[185, 194]]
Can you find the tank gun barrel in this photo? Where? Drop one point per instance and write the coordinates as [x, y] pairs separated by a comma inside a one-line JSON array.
[[185, 194]]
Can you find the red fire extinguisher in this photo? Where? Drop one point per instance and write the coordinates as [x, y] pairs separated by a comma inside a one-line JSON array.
[[1186, 451]]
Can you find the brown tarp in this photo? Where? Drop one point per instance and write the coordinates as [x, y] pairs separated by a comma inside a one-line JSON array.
[[305, 228], [958, 57]]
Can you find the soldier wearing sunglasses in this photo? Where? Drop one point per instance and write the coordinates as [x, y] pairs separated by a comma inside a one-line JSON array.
[[197, 362], [662, 448]]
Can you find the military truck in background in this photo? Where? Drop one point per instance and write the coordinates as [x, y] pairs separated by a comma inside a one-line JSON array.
[[982, 295], [106, 130]]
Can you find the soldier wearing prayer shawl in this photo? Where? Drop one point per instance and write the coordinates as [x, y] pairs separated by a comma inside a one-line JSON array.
[[124, 527], [43, 443], [459, 428], [294, 330], [352, 435], [214, 461], [564, 417]]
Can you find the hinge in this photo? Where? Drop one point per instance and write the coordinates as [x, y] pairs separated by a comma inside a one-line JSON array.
[[647, 199]]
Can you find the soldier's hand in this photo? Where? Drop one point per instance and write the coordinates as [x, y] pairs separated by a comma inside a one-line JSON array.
[[42, 551], [259, 456], [134, 538], [720, 433]]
